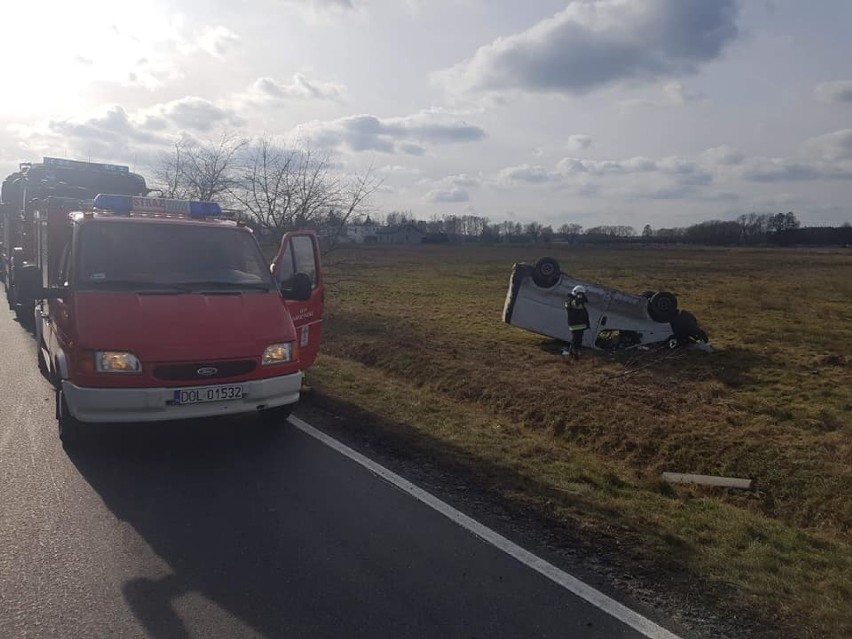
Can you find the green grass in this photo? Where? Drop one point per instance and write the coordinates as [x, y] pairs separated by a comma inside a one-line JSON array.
[[414, 337]]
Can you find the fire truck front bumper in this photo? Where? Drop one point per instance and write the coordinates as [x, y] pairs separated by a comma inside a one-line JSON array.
[[164, 404]]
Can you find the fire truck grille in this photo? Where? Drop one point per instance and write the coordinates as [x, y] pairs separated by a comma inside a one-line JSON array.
[[202, 371]]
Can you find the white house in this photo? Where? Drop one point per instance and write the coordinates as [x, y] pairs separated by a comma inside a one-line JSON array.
[[365, 232]]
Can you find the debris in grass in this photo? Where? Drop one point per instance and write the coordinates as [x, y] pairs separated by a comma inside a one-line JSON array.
[[708, 480]]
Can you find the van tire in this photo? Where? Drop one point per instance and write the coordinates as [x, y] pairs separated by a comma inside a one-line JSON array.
[[546, 272], [662, 307]]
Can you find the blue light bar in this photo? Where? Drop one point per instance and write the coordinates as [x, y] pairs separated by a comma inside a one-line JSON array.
[[205, 209], [122, 204], [126, 204]]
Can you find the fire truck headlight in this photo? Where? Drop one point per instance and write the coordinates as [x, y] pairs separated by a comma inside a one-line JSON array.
[[117, 362], [278, 353]]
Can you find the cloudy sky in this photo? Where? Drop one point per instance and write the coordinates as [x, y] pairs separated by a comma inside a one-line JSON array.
[[661, 112]]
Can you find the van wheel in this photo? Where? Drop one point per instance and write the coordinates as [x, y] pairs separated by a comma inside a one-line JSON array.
[[69, 426], [546, 272], [273, 417], [662, 307]]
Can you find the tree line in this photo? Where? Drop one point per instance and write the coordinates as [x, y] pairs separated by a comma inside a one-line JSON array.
[[276, 187], [747, 229]]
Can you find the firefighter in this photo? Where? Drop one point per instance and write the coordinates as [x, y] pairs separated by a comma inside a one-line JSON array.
[[578, 319]]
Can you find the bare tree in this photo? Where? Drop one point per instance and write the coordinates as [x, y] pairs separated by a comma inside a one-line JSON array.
[[284, 188], [352, 193], [199, 170]]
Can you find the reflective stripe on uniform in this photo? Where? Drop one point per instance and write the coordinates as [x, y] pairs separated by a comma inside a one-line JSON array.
[[577, 327]]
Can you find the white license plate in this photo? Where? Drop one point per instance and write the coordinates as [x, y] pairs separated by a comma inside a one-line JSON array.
[[207, 394]]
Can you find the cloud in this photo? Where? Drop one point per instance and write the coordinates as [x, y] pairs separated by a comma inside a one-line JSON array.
[[194, 113], [344, 5], [449, 195], [112, 127], [453, 188], [667, 193], [831, 147], [579, 142], [723, 156], [410, 134], [530, 174], [784, 170], [840, 91], [111, 136], [299, 88], [320, 11], [411, 149], [572, 166], [397, 169], [217, 41], [596, 43], [677, 94]]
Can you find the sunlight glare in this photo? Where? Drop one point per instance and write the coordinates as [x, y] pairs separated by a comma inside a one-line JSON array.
[[84, 43]]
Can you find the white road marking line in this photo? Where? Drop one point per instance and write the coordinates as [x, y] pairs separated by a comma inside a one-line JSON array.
[[560, 577]]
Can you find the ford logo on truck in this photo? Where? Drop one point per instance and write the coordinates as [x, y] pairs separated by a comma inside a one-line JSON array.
[[207, 371]]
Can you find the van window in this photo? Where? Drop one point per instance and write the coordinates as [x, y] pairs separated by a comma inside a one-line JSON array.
[[306, 262], [298, 257]]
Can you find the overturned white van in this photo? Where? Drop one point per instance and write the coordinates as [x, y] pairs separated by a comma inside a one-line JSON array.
[[617, 320]]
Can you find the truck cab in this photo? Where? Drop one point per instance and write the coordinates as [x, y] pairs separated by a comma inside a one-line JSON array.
[[156, 310], [24, 192]]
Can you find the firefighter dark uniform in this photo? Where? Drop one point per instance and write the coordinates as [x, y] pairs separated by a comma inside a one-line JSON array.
[[578, 319]]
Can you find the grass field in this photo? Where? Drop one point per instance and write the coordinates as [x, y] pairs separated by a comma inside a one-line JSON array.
[[414, 337]]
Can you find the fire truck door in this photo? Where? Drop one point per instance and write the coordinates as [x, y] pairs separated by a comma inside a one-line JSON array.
[[299, 257]]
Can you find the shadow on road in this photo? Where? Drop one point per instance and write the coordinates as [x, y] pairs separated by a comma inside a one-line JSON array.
[[220, 502]]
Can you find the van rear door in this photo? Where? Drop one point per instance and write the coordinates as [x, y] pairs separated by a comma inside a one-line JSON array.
[[299, 253]]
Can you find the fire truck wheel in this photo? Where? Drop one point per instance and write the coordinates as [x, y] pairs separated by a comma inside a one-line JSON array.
[[546, 272], [69, 426], [273, 417]]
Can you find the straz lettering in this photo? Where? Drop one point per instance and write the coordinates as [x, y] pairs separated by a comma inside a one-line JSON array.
[[149, 204]]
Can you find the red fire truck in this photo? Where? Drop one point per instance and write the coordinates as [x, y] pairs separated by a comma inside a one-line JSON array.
[[152, 309]]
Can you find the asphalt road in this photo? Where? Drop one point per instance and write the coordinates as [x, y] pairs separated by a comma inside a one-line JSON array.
[[223, 529]]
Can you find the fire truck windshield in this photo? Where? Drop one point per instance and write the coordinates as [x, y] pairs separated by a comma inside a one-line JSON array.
[[119, 255]]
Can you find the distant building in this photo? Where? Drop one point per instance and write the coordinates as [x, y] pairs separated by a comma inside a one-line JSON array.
[[403, 234], [365, 232]]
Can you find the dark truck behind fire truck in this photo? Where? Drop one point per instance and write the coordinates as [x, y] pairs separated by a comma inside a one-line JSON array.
[[71, 183]]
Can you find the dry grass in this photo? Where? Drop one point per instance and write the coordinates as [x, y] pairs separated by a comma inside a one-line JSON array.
[[415, 337]]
